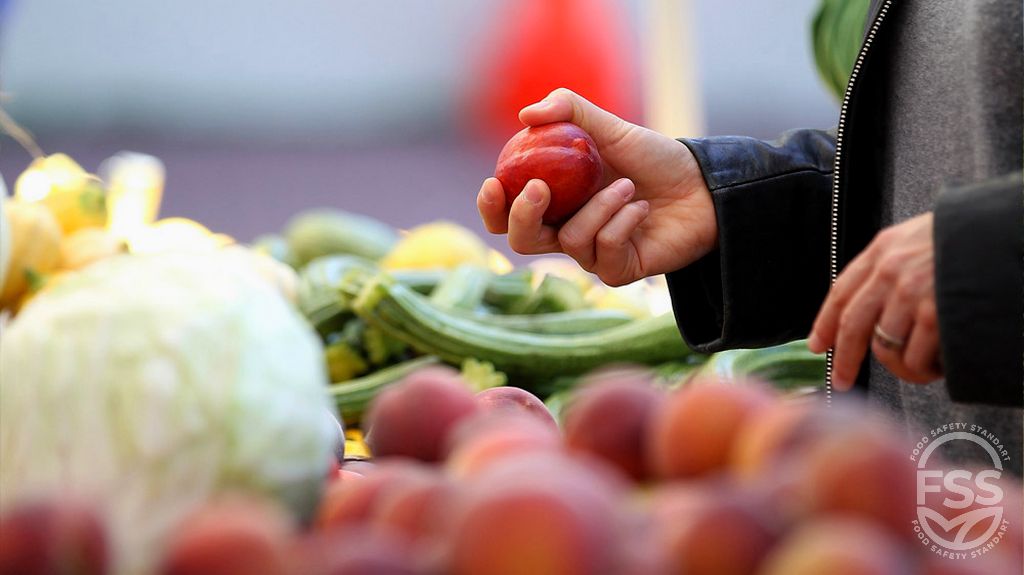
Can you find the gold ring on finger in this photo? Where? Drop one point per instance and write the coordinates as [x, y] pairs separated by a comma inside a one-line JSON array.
[[888, 341]]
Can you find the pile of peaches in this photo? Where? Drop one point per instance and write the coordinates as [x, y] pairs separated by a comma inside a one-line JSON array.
[[714, 478]]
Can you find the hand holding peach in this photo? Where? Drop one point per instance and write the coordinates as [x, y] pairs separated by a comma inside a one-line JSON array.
[[651, 212]]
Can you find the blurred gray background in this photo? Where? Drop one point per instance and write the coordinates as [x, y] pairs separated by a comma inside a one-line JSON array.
[[260, 109]]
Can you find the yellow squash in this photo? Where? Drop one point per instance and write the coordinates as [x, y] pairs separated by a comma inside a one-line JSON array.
[[76, 197], [35, 249], [87, 246], [439, 244], [5, 235]]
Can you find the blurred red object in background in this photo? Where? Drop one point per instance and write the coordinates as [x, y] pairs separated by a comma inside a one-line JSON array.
[[535, 46]]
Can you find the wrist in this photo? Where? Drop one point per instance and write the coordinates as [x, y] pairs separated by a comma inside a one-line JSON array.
[[694, 189]]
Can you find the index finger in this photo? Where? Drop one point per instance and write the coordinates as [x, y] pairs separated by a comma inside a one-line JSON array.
[[823, 334], [564, 105]]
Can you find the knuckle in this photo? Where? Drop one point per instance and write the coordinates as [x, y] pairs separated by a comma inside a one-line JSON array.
[[905, 289], [571, 241], [847, 319], [885, 237], [835, 302], [874, 249], [927, 317], [562, 92], [889, 268], [606, 240]]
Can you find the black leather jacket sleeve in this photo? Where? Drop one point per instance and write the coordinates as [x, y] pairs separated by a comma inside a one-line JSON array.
[[979, 289], [764, 282]]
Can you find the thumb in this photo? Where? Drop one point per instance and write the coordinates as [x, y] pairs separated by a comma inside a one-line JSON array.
[[564, 105]]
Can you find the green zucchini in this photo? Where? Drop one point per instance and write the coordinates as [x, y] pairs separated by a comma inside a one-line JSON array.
[[674, 374], [353, 396], [528, 359], [463, 288], [554, 294], [790, 366], [506, 291], [503, 291], [319, 295], [324, 232], [420, 281], [580, 321]]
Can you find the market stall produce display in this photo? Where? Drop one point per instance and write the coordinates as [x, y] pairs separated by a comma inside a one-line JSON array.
[[172, 403]]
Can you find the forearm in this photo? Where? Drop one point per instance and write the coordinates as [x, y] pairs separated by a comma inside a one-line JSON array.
[[764, 282]]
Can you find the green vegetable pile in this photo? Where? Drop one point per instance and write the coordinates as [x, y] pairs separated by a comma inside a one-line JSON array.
[[537, 331]]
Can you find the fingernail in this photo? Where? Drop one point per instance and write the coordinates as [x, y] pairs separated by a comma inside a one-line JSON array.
[[626, 190], [643, 205], [533, 194]]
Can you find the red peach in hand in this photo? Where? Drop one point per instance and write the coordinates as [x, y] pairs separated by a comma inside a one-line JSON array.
[[563, 156]]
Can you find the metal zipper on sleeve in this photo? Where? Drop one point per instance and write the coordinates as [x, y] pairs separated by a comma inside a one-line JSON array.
[[834, 241]]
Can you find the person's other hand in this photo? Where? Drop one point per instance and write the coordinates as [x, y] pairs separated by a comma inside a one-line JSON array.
[[885, 297], [654, 214]]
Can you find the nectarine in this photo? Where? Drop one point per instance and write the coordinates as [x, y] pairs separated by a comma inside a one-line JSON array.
[[236, 536], [694, 432], [412, 418], [515, 399], [563, 156], [52, 537], [610, 419]]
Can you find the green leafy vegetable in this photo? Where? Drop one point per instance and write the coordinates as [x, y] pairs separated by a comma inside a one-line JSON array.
[[836, 34]]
